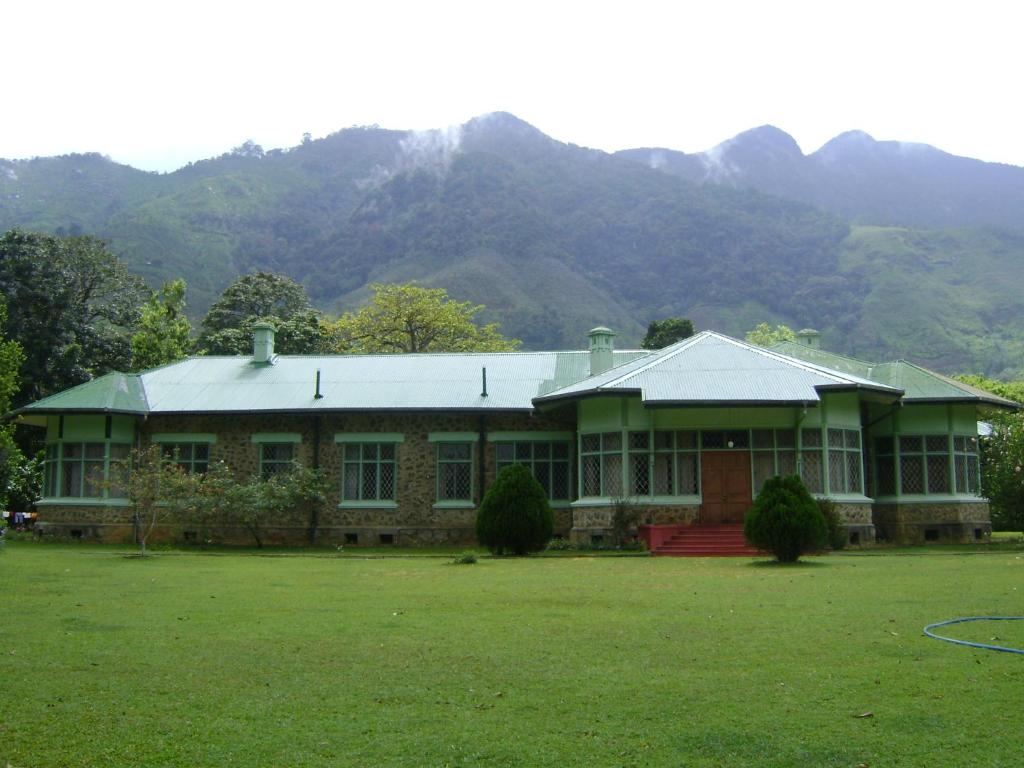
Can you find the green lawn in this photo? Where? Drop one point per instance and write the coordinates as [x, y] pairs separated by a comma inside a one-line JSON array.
[[235, 659]]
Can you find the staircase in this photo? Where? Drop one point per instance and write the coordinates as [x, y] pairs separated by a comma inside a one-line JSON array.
[[706, 541]]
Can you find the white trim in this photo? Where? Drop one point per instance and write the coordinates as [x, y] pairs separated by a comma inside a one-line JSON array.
[[369, 504], [453, 437], [183, 437], [369, 437], [276, 437], [527, 436]]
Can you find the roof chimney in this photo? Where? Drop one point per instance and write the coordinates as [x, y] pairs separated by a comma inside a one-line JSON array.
[[809, 338], [263, 343], [601, 349]]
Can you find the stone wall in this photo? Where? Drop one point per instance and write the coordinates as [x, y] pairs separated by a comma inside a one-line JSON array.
[[963, 521], [414, 518], [589, 522], [858, 519]]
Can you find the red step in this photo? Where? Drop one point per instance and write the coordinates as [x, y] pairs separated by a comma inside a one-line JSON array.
[[706, 541]]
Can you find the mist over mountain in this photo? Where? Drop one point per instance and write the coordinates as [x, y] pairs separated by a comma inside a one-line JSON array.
[[888, 183], [556, 238]]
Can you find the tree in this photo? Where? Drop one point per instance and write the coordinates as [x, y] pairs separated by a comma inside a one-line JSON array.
[[77, 306], [155, 486], [1002, 471], [411, 318], [662, 333], [164, 330], [766, 336], [785, 520], [515, 514], [11, 458], [262, 296]]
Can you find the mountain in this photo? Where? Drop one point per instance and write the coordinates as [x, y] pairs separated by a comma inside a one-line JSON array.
[[552, 237], [887, 183]]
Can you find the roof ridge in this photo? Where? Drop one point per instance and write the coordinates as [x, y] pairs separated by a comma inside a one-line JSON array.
[[659, 356], [794, 361]]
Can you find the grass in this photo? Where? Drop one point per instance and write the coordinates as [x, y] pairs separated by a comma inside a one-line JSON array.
[[231, 659]]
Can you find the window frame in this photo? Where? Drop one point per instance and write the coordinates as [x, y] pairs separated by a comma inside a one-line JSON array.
[[550, 461], [56, 461]]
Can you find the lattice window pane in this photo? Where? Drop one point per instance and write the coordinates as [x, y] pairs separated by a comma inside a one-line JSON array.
[[350, 484], [763, 438], [686, 438], [93, 478], [71, 484], [369, 490], [740, 438], [687, 475], [455, 482], [911, 444], [912, 474], [591, 473], [663, 474], [560, 451], [973, 475], [352, 452], [852, 438], [387, 481], [560, 480], [938, 474], [663, 440], [811, 472], [611, 441], [639, 475], [611, 471], [837, 471], [590, 443], [542, 450], [810, 438], [763, 468], [787, 462], [937, 443], [712, 439], [639, 441], [387, 451], [886, 479], [960, 467], [785, 438], [455, 451], [835, 438], [505, 452], [542, 472], [524, 451], [853, 472]]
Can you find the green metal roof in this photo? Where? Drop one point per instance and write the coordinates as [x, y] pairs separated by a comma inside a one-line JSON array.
[[711, 368], [112, 393], [919, 384], [347, 382]]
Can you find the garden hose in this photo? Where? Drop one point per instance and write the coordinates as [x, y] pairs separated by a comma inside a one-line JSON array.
[[928, 631]]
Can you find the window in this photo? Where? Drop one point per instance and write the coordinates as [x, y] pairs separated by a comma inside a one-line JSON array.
[[773, 453], [83, 470], [601, 464], [547, 460], [965, 463], [663, 463], [924, 465], [276, 458], [192, 458], [810, 460], [454, 471], [368, 472], [844, 461]]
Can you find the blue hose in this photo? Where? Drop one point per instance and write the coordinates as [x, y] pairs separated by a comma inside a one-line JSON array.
[[927, 631]]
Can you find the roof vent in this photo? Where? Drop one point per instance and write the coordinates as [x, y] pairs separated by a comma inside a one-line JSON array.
[[601, 349], [263, 343], [809, 338]]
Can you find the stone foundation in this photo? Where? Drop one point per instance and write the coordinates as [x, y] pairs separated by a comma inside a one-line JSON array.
[[922, 523], [858, 520], [590, 522]]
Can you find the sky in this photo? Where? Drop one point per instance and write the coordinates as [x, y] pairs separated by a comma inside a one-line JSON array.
[[157, 84]]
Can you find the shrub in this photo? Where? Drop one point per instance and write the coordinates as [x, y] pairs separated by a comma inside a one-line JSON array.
[[559, 545], [838, 537], [515, 515], [466, 558], [625, 517], [785, 520]]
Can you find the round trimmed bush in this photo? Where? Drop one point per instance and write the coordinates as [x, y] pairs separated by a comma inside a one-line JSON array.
[[785, 520], [515, 515]]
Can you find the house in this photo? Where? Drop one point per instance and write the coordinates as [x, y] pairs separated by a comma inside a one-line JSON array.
[[687, 434]]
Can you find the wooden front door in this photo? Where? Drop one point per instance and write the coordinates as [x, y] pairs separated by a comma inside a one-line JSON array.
[[725, 486]]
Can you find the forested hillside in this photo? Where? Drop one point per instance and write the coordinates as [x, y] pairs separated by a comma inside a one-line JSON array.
[[553, 238]]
